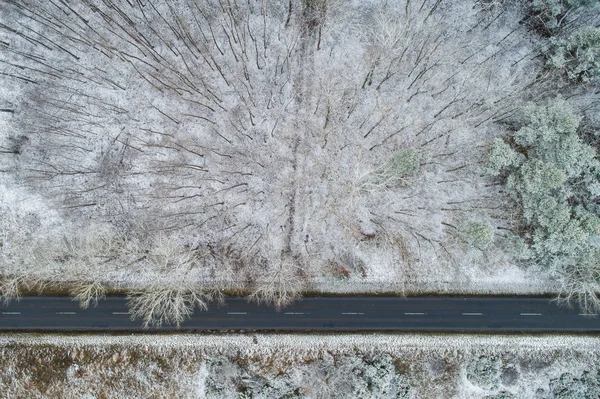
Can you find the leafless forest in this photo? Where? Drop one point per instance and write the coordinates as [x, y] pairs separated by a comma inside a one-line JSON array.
[[182, 149]]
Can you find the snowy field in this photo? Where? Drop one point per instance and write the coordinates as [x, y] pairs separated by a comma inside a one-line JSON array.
[[300, 366]]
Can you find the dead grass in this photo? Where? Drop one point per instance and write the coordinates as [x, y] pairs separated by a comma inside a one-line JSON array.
[[45, 366]]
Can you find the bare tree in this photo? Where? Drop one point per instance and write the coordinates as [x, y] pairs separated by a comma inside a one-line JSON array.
[[162, 304], [88, 293], [10, 289], [580, 284], [279, 285]]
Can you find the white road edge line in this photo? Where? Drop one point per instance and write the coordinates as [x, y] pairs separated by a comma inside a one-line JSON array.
[[352, 313], [121, 313], [415, 314], [472, 314], [237, 313], [11, 312], [66, 313], [531, 314]]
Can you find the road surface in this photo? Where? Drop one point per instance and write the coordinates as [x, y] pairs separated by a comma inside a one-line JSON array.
[[468, 314]]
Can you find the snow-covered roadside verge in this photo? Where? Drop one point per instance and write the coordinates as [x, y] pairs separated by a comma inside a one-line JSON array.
[[301, 366]]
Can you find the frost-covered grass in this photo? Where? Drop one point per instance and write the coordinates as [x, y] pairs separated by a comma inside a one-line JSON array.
[[328, 146], [299, 366]]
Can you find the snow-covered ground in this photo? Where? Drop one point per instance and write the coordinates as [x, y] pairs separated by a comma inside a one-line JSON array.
[[213, 143], [299, 366]]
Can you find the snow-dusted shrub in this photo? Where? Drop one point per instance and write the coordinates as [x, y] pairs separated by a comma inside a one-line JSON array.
[[484, 371], [479, 234], [577, 55], [548, 14], [346, 376], [356, 376], [222, 374], [402, 163], [556, 186], [227, 379], [567, 386], [378, 379]]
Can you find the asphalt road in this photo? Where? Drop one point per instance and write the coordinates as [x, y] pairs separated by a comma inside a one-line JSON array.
[[468, 314]]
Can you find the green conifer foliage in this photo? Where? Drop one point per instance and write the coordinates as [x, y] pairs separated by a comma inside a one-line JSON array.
[[578, 55], [554, 176]]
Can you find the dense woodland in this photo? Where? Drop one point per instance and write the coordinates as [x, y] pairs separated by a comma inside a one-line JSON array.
[[183, 150]]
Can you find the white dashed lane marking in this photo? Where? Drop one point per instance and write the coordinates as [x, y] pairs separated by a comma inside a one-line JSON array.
[[237, 313], [588, 314], [531, 314], [66, 313], [414, 314], [121, 313], [472, 314], [11, 312], [293, 313], [352, 313]]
